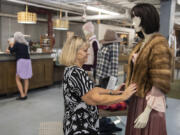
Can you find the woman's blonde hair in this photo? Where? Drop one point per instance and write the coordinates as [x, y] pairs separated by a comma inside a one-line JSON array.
[[69, 51]]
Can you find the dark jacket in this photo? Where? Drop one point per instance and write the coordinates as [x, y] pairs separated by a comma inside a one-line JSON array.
[[20, 50]]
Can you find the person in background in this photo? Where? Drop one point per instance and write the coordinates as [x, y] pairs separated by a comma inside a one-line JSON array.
[[23, 64], [80, 96], [90, 65]]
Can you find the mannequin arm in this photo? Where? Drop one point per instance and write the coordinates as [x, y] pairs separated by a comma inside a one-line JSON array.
[[143, 118]]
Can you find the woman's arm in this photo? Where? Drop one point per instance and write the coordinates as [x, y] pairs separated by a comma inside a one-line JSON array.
[[8, 51], [100, 96], [12, 48]]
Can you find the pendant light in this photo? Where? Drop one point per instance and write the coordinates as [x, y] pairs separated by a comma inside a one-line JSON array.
[[61, 24], [26, 17]]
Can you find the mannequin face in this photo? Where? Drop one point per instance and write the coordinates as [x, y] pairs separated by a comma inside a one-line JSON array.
[[136, 23], [86, 32]]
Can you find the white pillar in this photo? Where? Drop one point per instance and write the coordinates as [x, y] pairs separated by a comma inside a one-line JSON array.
[[167, 14]]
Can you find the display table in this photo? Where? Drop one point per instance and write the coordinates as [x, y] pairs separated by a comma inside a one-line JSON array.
[[42, 66]]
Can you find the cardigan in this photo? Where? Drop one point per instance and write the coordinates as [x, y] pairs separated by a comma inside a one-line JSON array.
[[21, 51]]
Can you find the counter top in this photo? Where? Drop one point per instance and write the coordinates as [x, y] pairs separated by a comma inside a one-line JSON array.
[[33, 53], [6, 57]]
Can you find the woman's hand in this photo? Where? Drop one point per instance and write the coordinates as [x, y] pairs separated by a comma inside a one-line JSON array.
[[119, 90], [129, 91], [7, 51]]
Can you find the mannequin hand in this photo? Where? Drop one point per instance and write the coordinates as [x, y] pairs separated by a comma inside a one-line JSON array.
[[143, 118]]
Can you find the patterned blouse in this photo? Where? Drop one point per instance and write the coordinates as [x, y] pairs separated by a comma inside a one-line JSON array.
[[79, 117]]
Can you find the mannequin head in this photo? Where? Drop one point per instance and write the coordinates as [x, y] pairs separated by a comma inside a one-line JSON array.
[[88, 29], [145, 18]]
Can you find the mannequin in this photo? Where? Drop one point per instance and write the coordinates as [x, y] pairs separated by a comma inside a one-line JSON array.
[[107, 63], [90, 65], [149, 67], [107, 72]]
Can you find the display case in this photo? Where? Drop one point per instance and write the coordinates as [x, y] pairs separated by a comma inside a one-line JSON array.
[[46, 43]]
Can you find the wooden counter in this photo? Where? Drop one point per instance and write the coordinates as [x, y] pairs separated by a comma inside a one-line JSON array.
[[42, 66], [58, 73]]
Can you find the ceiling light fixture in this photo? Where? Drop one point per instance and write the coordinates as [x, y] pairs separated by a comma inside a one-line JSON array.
[[61, 24], [26, 17], [101, 10]]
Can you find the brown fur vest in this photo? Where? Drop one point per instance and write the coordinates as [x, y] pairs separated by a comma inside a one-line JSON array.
[[152, 66]]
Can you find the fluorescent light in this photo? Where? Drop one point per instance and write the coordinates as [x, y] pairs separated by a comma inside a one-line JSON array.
[[101, 10]]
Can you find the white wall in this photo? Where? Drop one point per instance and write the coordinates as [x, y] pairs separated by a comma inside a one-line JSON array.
[[103, 27]]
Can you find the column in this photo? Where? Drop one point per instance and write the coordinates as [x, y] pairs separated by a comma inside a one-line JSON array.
[[167, 14]]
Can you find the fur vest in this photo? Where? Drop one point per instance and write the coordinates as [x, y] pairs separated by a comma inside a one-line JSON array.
[[152, 66]]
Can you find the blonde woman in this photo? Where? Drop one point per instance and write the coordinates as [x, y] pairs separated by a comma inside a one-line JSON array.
[[80, 98]]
